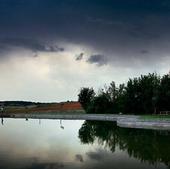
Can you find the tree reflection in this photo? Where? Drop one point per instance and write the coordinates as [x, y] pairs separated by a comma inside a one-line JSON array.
[[2, 121], [146, 145]]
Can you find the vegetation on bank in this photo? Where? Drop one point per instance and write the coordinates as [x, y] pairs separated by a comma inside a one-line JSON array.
[[155, 117], [147, 94], [33, 107]]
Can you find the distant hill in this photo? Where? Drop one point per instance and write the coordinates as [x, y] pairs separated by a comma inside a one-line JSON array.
[[18, 103]]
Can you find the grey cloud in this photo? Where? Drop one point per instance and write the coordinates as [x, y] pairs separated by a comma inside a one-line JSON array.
[[79, 57], [95, 155], [143, 34], [79, 158], [98, 59], [144, 51], [30, 44], [119, 29]]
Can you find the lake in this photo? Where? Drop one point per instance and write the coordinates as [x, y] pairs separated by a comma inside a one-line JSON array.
[[73, 144]]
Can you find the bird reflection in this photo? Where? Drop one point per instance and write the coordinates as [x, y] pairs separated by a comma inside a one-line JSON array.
[[61, 126]]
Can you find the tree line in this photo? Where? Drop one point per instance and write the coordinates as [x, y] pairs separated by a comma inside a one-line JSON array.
[[147, 94]]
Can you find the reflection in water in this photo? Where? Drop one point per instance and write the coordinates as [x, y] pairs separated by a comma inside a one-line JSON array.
[[81, 145], [28, 145], [146, 145], [61, 126], [2, 121]]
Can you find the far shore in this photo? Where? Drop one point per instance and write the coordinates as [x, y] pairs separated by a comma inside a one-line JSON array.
[[125, 121], [73, 111], [16, 107]]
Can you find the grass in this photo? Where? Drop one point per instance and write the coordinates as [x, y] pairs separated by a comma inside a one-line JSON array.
[[155, 117]]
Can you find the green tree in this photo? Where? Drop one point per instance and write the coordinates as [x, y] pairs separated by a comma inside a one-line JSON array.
[[164, 93], [100, 105], [142, 94], [146, 94], [85, 96]]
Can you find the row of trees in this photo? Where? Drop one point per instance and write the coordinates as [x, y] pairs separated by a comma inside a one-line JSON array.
[[146, 94]]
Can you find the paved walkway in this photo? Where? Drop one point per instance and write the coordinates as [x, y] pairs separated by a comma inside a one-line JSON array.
[[126, 121]]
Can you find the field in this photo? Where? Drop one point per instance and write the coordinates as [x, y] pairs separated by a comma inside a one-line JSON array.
[[64, 107]]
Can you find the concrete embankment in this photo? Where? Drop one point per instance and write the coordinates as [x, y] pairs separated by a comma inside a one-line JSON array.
[[144, 124], [126, 121], [99, 117]]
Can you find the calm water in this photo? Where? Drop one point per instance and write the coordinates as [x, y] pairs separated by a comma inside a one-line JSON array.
[[55, 144]]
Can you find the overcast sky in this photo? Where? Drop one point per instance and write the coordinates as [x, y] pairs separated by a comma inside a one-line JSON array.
[[51, 48]]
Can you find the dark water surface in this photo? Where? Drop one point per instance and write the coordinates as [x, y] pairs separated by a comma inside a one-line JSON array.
[[55, 144]]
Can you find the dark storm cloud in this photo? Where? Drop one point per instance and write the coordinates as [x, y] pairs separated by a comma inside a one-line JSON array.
[[144, 51], [30, 44], [79, 56], [121, 29], [98, 59]]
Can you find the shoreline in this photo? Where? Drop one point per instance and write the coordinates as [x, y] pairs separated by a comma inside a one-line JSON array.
[[125, 121]]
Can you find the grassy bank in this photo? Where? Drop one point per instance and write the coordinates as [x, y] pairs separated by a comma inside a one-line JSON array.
[[155, 117]]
